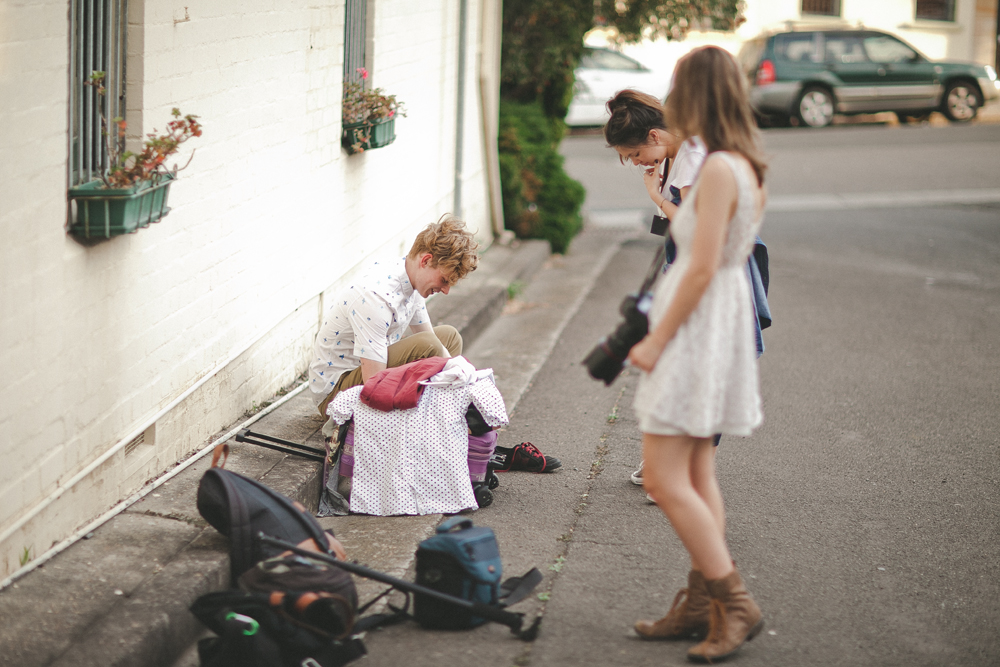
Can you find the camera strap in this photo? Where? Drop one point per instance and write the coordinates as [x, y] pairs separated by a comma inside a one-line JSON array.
[[654, 269]]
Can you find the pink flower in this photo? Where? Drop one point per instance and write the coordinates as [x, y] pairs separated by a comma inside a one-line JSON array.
[[363, 72], [391, 114]]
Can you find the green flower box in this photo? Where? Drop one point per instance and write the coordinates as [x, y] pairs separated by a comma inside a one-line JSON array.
[[102, 213], [359, 137]]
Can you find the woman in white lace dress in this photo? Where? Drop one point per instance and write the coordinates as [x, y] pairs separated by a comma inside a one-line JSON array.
[[699, 357]]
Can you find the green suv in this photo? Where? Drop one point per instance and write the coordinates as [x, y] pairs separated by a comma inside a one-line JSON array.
[[810, 75]]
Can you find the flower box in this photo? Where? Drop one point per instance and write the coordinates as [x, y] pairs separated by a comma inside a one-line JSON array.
[[102, 213], [359, 137]]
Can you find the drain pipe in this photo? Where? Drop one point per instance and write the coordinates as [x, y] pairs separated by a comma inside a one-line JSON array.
[[460, 111]]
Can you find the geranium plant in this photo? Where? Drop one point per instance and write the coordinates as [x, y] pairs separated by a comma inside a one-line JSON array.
[[365, 108], [128, 168], [368, 105]]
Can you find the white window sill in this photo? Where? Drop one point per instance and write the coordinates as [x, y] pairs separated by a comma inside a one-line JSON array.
[[932, 26]]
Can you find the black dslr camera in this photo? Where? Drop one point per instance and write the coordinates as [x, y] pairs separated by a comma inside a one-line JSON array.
[[606, 360]]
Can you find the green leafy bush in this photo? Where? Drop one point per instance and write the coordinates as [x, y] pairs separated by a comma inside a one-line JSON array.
[[539, 199]]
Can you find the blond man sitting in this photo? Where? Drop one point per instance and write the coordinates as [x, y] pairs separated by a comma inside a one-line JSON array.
[[365, 330]]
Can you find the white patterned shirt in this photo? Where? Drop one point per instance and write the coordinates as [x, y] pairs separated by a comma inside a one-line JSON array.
[[365, 319], [416, 461]]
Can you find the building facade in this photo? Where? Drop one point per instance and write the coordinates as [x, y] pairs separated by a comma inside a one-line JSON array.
[[122, 358], [941, 29]]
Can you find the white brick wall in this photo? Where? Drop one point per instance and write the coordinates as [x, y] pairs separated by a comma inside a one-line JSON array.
[[270, 215]]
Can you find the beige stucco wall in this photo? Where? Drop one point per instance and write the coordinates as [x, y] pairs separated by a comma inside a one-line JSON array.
[[177, 330], [936, 39]]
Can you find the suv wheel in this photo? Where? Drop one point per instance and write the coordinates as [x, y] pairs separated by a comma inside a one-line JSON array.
[[960, 102], [815, 107]]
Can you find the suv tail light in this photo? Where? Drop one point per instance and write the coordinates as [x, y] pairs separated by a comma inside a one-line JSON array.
[[765, 73]]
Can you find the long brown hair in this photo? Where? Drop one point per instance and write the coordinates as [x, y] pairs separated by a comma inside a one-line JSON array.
[[633, 115], [710, 100]]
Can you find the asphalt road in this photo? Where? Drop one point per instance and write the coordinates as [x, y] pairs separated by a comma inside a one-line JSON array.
[[864, 514]]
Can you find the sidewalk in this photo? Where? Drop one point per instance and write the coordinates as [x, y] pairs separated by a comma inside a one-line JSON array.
[[121, 597]]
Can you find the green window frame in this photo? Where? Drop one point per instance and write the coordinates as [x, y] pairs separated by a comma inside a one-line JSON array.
[[98, 30]]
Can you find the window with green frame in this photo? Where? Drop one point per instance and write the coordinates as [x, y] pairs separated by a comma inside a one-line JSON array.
[[98, 32], [355, 39]]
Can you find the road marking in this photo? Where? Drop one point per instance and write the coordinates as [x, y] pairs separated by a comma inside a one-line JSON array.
[[627, 218], [618, 218], [864, 200]]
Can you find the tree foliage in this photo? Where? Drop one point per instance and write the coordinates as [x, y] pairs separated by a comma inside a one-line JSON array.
[[671, 19], [542, 44]]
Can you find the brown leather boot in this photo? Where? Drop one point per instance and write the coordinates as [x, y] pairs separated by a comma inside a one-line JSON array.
[[734, 619], [688, 616]]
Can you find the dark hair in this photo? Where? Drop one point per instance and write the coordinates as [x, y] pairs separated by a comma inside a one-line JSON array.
[[633, 115], [710, 99]]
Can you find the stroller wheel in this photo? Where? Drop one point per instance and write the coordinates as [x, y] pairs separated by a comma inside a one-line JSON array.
[[484, 497], [492, 480]]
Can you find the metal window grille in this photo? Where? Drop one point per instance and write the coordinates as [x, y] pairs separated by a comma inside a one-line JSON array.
[[355, 36], [936, 10], [98, 29], [821, 7]]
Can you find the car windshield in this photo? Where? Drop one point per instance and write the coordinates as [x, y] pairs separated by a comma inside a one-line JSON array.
[[889, 50], [601, 59]]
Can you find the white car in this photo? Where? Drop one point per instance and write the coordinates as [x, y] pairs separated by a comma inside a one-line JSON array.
[[601, 74]]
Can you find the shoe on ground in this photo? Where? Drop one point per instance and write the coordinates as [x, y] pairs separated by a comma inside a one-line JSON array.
[[524, 457], [637, 475]]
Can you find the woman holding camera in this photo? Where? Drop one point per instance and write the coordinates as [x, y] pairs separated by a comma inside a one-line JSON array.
[[638, 132], [699, 358]]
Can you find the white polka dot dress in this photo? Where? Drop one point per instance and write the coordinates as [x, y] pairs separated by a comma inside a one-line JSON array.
[[416, 461]]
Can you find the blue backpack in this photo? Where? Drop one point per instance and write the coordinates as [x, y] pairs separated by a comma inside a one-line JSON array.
[[463, 561]]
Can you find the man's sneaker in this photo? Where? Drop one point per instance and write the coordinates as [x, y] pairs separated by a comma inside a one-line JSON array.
[[522, 457], [637, 475]]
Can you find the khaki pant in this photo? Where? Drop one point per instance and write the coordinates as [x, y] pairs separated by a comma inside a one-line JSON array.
[[444, 341]]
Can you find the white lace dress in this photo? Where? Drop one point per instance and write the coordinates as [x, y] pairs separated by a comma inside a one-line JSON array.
[[706, 381]]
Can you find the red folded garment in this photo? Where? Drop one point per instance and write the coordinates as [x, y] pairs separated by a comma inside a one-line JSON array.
[[397, 388]]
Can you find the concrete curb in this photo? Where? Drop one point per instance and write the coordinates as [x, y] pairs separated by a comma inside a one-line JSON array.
[[121, 597]]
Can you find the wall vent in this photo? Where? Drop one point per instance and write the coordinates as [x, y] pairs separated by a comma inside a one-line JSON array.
[[136, 442]]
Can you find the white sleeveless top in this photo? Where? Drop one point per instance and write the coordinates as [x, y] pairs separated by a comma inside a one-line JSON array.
[[706, 380]]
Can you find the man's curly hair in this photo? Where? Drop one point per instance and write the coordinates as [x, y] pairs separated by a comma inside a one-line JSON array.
[[451, 245]]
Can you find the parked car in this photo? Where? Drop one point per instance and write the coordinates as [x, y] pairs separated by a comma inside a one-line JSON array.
[[809, 75], [601, 74]]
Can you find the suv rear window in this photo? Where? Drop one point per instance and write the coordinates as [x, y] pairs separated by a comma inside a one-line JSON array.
[[796, 47]]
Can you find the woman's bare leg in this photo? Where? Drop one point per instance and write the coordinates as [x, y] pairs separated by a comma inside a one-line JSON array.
[[667, 477], [704, 482]]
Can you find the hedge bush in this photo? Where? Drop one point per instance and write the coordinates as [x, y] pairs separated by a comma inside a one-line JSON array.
[[539, 199]]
